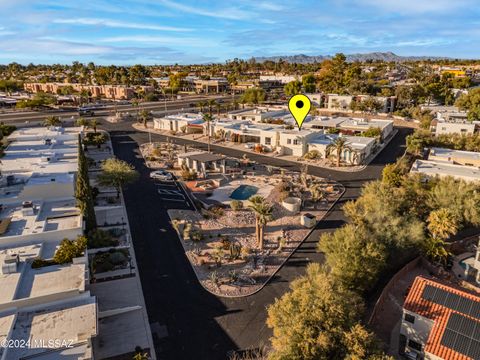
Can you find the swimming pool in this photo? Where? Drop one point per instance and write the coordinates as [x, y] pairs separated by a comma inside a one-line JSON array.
[[243, 192]]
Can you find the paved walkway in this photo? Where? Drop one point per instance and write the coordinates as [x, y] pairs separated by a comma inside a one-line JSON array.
[[200, 325]]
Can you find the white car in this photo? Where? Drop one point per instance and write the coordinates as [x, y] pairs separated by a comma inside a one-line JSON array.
[[249, 145], [161, 175]]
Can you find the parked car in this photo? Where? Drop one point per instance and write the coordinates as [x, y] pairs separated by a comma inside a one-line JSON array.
[[161, 175], [249, 145]]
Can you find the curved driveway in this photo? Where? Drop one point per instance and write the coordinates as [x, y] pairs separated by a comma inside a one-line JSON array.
[[199, 324]]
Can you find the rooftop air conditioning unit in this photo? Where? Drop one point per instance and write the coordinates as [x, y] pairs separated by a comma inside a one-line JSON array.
[[10, 264]]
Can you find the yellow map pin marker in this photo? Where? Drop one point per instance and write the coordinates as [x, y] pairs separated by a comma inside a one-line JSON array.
[[299, 106]]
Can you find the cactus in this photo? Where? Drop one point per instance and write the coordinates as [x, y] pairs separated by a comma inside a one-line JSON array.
[[235, 251]]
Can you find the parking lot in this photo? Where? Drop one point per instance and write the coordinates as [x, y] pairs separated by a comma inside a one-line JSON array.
[[171, 192]]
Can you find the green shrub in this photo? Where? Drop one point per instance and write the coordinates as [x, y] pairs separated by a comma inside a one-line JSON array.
[[100, 238], [70, 249], [117, 258], [236, 205]]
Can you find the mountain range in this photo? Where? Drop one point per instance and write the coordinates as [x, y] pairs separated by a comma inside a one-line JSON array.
[[384, 56]]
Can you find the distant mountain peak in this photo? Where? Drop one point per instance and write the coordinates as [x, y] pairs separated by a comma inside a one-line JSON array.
[[384, 56]]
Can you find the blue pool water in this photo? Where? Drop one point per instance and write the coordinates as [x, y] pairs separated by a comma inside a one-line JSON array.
[[243, 192]]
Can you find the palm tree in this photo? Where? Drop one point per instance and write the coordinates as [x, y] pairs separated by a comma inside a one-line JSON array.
[[442, 223], [207, 118], [94, 124], [201, 105], [263, 214], [211, 103], [435, 249], [82, 122], [218, 107], [338, 146], [145, 115], [52, 121]]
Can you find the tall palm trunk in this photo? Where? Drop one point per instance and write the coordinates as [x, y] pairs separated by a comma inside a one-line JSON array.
[[260, 237]]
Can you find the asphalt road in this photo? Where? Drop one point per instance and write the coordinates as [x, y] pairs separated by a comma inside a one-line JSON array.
[[201, 325], [36, 118]]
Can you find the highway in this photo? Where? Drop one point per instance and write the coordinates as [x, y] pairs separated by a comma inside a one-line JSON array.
[[35, 118]]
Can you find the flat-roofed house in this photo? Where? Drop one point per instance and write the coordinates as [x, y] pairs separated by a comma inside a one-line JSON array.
[[430, 168], [362, 147], [457, 157], [188, 123]]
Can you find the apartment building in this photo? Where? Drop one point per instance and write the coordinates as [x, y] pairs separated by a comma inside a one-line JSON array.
[[42, 302], [116, 92], [440, 322]]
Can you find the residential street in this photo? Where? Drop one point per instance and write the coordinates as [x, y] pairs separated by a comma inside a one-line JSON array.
[[200, 325]]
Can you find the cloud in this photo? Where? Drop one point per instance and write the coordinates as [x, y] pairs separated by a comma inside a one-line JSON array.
[[229, 13], [417, 6], [118, 24], [189, 41]]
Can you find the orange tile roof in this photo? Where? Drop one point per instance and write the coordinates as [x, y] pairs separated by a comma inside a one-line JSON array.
[[438, 313]]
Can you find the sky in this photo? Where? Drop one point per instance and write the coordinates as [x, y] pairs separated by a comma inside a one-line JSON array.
[[167, 31]]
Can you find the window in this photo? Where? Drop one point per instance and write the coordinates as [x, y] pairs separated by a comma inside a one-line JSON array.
[[463, 130], [289, 141], [268, 141], [444, 129], [410, 318], [295, 142], [414, 345]]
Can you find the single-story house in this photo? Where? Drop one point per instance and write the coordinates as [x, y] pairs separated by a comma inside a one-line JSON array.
[[361, 147], [187, 123]]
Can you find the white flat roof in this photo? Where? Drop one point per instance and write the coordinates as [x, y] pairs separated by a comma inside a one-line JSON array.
[[37, 162], [46, 216], [44, 133], [9, 282], [74, 321], [365, 124], [356, 142], [440, 168], [39, 146], [449, 153]]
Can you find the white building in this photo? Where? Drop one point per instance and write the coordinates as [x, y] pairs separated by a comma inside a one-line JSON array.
[[45, 304], [283, 79], [443, 169], [342, 102], [361, 147], [350, 126], [439, 322], [187, 123], [462, 128], [258, 114], [457, 157]]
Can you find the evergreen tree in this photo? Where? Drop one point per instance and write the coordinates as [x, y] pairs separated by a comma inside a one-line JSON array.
[[83, 191]]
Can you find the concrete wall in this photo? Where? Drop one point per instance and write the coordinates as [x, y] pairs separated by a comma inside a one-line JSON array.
[[418, 331]]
